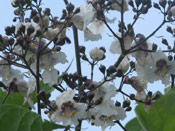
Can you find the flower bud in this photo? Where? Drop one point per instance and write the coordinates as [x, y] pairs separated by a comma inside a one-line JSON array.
[[9, 30], [163, 3], [99, 101], [103, 49], [11, 41], [82, 49], [155, 5], [47, 11], [132, 96], [165, 42], [96, 54], [169, 29], [90, 96], [150, 94], [126, 103], [70, 7], [36, 19], [131, 3], [57, 48], [170, 57], [157, 96], [77, 11], [111, 69], [102, 68], [84, 57], [128, 109], [33, 13], [154, 47], [117, 103], [132, 64], [138, 2], [67, 40], [30, 30]]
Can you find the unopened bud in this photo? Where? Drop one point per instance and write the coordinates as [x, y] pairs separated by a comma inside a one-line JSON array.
[[154, 47], [117, 103], [163, 3], [169, 29], [82, 49], [156, 6], [164, 41], [102, 68], [70, 7], [131, 3], [126, 103], [128, 109]]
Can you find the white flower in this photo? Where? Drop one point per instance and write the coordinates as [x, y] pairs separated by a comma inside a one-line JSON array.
[[68, 112], [137, 83], [107, 121], [115, 47], [88, 35], [116, 6], [50, 76], [106, 92], [124, 65], [97, 27], [26, 91], [49, 60], [141, 95], [66, 96], [52, 32], [156, 67], [86, 15], [96, 54], [141, 55]]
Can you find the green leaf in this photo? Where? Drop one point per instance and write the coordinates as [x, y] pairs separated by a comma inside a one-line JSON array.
[[15, 118], [133, 125], [15, 98], [49, 126], [161, 116], [44, 87]]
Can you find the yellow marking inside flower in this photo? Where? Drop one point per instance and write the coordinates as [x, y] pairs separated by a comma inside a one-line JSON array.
[[8, 77], [30, 95], [73, 113], [102, 118], [65, 115], [110, 118], [162, 73], [33, 45]]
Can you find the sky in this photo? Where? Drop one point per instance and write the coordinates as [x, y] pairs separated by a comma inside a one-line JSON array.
[[145, 25]]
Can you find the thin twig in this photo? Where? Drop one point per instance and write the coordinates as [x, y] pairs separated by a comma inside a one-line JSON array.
[[5, 98], [172, 81], [78, 64], [118, 122]]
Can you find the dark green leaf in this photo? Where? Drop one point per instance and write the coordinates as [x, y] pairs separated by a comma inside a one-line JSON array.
[[15, 98], [15, 118], [46, 87], [49, 126], [161, 116], [133, 125]]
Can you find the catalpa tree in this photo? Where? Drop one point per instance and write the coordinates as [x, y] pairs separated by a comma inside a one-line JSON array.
[[32, 52]]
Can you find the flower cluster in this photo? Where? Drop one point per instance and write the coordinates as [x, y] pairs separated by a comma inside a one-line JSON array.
[[34, 44]]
